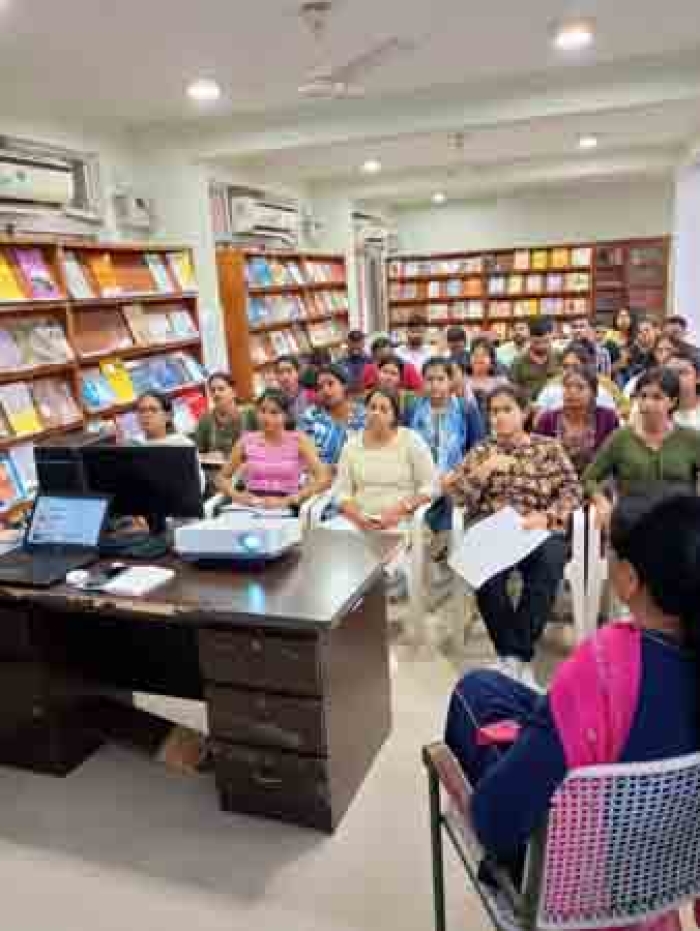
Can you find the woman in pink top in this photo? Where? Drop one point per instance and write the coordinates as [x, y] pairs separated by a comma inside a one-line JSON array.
[[279, 468]]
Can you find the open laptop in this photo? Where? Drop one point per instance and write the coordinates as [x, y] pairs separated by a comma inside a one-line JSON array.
[[63, 534]]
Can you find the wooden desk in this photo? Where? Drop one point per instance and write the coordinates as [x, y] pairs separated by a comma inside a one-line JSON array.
[[292, 661]]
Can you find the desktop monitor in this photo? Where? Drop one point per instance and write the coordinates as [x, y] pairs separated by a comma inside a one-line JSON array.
[[156, 482]]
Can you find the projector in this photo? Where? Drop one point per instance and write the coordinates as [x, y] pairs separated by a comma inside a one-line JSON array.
[[237, 537]]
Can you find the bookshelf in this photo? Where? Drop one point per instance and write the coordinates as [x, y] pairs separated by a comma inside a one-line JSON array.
[[84, 329], [489, 290], [275, 303]]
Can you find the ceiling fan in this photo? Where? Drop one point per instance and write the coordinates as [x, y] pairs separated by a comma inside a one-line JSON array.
[[328, 81]]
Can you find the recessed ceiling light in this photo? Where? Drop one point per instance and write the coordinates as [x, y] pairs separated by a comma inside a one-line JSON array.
[[573, 36], [588, 142], [372, 166], [439, 197], [204, 90]]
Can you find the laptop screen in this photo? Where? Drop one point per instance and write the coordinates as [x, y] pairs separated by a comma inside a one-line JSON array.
[[68, 520]]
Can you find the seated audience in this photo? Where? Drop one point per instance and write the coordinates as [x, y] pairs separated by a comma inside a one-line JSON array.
[[410, 377], [538, 363], [685, 363], [676, 327], [416, 351], [664, 347], [576, 356], [457, 343], [355, 361], [628, 695], [389, 377], [581, 425], [651, 450], [288, 372], [582, 332], [533, 475], [449, 425], [220, 428], [317, 359], [273, 461], [508, 352], [334, 417], [460, 382], [482, 375], [386, 472], [155, 416]]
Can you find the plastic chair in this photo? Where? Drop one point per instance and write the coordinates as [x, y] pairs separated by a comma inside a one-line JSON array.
[[621, 847]]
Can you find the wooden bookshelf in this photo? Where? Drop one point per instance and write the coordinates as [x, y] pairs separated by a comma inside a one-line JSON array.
[[274, 303], [158, 278], [594, 278]]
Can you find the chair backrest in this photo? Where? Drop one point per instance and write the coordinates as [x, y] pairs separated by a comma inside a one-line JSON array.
[[622, 844]]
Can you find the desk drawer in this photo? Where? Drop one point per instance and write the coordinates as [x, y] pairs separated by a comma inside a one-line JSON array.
[[261, 660], [269, 720], [274, 785]]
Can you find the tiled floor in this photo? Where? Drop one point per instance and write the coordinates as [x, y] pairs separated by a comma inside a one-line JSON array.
[[124, 843]]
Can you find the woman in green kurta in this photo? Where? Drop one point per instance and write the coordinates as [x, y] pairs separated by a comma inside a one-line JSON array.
[[656, 451], [219, 429]]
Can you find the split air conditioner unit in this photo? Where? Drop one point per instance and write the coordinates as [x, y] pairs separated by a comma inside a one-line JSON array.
[[45, 182], [251, 216]]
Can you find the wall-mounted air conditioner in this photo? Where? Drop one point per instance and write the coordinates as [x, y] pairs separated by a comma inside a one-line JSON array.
[[45, 182], [252, 216]]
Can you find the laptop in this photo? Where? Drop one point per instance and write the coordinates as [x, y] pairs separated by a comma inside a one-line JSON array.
[[63, 534]]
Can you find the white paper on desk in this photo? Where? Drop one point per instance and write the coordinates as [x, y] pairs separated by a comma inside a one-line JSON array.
[[493, 545], [257, 512]]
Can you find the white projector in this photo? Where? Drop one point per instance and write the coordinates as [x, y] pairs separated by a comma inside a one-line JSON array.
[[237, 537]]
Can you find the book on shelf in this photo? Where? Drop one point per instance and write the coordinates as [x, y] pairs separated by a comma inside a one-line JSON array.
[[515, 285], [474, 310], [474, 265], [561, 257], [534, 284], [55, 403], [521, 261], [577, 281], [96, 391], [609, 256], [576, 306], [78, 286], [497, 285], [137, 321], [159, 272], [10, 289], [554, 282], [182, 324], [5, 429], [529, 307], [257, 271], [18, 406], [320, 272], [395, 269], [166, 373], [434, 288], [12, 488], [180, 264], [258, 350], [37, 274], [500, 309], [551, 306], [540, 260], [295, 272], [193, 368], [159, 327], [98, 331], [582, 257], [118, 379], [453, 287], [280, 274], [647, 255], [302, 339], [438, 312], [104, 274], [42, 341], [140, 375], [184, 420], [11, 357], [503, 263], [474, 287], [279, 343], [22, 456], [128, 427]]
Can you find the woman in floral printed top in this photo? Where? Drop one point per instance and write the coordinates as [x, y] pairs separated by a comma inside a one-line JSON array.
[[533, 475]]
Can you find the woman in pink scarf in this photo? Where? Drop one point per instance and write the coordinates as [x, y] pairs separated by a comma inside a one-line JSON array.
[[629, 694]]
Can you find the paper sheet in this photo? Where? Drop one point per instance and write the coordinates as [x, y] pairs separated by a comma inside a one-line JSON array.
[[493, 545]]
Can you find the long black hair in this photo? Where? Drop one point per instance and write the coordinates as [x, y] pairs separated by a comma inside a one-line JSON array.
[[658, 533]]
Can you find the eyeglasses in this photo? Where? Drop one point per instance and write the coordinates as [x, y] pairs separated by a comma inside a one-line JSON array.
[[150, 410]]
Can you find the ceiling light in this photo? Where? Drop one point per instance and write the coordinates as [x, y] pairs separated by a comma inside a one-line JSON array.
[[439, 197], [573, 36], [588, 142], [372, 166], [204, 90]]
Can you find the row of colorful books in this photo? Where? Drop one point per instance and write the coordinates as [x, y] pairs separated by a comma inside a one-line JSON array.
[[29, 343], [270, 272], [282, 308], [29, 408], [104, 330], [296, 340], [18, 479], [117, 381], [478, 310], [520, 260], [26, 274], [513, 285], [187, 410]]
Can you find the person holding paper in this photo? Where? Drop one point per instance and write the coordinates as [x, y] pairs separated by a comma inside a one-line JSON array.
[[273, 461], [533, 475]]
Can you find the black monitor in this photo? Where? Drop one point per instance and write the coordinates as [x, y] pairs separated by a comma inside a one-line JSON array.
[[59, 463], [155, 482]]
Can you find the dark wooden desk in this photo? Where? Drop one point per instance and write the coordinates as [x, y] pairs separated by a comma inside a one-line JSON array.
[[292, 661]]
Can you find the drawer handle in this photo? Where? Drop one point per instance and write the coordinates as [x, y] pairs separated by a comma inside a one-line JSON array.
[[268, 782]]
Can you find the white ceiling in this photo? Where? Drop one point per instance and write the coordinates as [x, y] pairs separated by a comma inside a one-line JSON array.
[[485, 68]]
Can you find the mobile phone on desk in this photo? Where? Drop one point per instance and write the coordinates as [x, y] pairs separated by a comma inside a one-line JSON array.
[[101, 577]]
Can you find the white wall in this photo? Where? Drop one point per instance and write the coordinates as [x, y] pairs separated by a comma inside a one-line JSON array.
[[592, 211], [687, 246]]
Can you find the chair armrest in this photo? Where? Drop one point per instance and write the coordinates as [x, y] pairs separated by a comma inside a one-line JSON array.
[[211, 504], [311, 511]]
